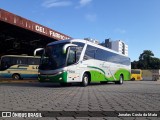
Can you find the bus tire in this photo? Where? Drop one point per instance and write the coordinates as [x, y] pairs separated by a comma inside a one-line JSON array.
[[133, 79], [16, 76], [120, 80], [85, 80]]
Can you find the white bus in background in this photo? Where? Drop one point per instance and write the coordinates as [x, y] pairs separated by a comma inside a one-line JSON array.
[[77, 60], [19, 66]]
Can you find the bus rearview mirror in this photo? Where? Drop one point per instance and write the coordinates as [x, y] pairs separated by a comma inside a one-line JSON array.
[[67, 46], [37, 50]]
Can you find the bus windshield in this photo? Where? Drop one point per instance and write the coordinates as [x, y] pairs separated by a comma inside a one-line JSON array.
[[5, 63], [55, 58], [135, 71]]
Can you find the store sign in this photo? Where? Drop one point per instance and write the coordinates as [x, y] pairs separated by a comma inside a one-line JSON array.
[[50, 32]]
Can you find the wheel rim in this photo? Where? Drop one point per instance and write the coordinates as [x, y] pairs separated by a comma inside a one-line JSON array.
[[121, 80], [85, 80], [16, 77]]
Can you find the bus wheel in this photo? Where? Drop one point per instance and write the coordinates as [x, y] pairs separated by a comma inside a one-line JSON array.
[[133, 79], [16, 76], [85, 80], [120, 80]]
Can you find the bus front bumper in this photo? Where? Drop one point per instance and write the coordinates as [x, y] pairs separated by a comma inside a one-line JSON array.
[[60, 77]]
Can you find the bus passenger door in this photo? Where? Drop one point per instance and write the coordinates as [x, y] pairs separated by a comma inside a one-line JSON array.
[[73, 73], [73, 66]]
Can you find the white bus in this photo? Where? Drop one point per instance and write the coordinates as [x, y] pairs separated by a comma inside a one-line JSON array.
[[76, 60], [19, 66]]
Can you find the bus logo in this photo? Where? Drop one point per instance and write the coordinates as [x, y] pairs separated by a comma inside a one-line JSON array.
[[6, 114]]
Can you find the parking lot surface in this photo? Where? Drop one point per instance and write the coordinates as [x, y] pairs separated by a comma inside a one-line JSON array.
[[33, 96]]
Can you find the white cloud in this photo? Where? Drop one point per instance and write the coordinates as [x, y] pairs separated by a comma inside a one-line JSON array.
[[91, 17], [56, 3], [83, 3], [119, 30]]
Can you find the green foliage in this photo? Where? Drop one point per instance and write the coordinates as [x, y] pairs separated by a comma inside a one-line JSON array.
[[146, 61]]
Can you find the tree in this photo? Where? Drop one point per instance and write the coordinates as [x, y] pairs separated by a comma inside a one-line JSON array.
[[146, 54], [134, 65], [145, 59], [155, 63]]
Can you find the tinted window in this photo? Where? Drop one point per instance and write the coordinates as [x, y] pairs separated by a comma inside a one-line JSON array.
[[18, 60], [71, 56], [79, 49], [5, 63], [53, 58], [90, 52], [135, 71], [33, 61], [100, 54]]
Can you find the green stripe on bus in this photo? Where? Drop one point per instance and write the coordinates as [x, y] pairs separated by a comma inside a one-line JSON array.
[[97, 68], [97, 76]]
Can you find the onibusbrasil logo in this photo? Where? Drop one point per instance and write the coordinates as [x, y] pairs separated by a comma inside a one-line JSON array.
[[21, 114]]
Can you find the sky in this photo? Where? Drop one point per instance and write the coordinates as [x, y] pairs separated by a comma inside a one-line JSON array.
[[136, 22]]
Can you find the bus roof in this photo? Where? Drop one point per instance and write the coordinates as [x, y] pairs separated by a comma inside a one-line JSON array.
[[26, 56], [68, 40], [87, 42]]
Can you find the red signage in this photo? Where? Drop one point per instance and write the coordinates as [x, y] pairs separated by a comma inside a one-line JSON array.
[[29, 25]]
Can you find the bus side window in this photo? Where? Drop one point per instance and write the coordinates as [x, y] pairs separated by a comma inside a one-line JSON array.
[[90, 52], [85, 57], [71, 56], [33, 61], [100, 55]]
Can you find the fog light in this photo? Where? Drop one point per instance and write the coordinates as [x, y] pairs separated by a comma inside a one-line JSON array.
[[60, 78]]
